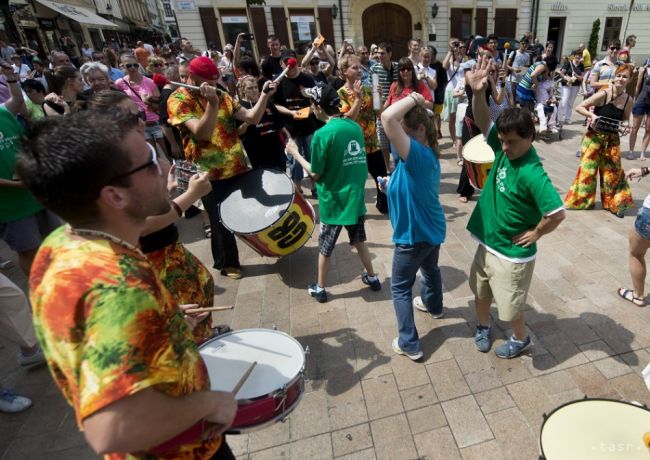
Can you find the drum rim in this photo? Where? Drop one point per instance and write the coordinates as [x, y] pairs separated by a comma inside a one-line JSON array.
[[478, 141], [293, 199], [288, 384], [585, 399]]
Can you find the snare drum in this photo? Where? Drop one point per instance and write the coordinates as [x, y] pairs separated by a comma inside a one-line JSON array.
[[266, 211], [595, 429], [479, 157], [275, 386]]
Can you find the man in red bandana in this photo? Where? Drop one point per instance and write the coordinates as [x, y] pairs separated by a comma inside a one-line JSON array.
[[206, 120]]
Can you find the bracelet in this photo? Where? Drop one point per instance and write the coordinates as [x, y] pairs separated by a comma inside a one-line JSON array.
[[412, 96], [645, 171], [176, 208]]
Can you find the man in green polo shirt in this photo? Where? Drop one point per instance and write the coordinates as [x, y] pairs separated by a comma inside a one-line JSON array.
[[518, 205]]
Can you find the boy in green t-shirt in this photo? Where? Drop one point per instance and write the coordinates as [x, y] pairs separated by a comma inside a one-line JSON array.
[[338, 165], [518, 205]]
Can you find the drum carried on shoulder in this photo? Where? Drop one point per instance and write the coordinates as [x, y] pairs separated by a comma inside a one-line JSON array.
[[478, 157], [596, 429], [267, 212]]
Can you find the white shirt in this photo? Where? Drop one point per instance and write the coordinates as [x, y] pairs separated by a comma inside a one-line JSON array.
[[429, 73], [22, 71]]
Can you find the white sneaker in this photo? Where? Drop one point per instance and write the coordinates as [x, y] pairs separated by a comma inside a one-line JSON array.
[[399, 351], [417, 303], [12, 403], [31, 360], [554, 130]]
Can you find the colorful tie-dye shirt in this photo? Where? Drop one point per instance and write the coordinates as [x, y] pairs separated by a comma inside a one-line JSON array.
[[109, 328], [367, 118], [222, 155]]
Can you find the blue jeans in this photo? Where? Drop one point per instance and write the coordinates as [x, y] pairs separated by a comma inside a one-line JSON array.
[[304, 147], [407, 260]]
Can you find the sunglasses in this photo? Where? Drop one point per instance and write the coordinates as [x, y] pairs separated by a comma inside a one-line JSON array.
[[152, 161], [614, 48], [131, 66], [157, 65]]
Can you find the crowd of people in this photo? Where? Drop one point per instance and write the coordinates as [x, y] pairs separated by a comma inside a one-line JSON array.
[[89, 195]]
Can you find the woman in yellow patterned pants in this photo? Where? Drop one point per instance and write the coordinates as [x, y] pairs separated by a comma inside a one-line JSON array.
[[601, 152]]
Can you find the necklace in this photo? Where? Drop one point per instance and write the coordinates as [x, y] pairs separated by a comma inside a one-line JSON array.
[[105, 235]]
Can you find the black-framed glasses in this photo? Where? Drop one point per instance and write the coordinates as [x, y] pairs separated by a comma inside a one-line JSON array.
[[131, 66], [152, 161]]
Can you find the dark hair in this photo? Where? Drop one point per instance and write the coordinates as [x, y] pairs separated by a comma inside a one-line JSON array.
[[66, 161], [419, 116], [492, 37], [405, 62], [434, 51], [550, 42], [248, 65], [106, 100], [57, 77], [614, 42], [630, 39], [551, 62], [517, 120], [385, 46], [33, 84]]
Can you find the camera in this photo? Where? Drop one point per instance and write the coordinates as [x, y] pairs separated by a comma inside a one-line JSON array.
[[455, 44], [248, 36]]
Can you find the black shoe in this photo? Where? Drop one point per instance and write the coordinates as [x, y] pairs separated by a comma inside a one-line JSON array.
[[191, 212]]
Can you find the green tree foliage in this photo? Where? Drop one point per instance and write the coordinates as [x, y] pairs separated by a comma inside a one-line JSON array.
[[593, 39]]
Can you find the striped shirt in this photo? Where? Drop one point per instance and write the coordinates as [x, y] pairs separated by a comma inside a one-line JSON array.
[[386, 77]]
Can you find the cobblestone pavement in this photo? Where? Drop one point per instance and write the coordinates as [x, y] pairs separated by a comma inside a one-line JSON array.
[[364, 402]]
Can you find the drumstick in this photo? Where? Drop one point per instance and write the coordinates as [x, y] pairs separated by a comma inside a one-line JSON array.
[[204, 309], [243, 378]]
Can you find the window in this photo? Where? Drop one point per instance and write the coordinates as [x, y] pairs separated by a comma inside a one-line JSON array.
[[611, 31], [303, 31], [233, 26], [168, 10]]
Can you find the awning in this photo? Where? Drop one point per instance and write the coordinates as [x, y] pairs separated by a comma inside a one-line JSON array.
[[77, 13]]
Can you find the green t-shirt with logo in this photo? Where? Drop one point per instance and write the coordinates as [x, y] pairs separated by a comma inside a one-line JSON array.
[[15, 203], [517, 194], [338, 155]]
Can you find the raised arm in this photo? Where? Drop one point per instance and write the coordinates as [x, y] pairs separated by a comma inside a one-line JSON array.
[[254, 115], [477, 79]]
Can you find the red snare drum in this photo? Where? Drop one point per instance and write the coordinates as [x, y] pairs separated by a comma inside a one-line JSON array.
[[275, 386], [479, 157], [267, 213]]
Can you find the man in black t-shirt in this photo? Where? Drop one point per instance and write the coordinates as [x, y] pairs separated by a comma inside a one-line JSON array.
[[271, 64], [299, 120], [439, 92]]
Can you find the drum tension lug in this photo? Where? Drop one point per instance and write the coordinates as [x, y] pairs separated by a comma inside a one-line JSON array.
[[544, 416], [275, 327]]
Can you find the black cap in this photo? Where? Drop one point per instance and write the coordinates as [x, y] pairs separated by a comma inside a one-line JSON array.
[[288, 53], [325, 96]]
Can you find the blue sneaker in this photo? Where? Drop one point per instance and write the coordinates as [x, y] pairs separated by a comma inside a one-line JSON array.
[[372, 281], [317, 292], [482, 338], [513, 347]]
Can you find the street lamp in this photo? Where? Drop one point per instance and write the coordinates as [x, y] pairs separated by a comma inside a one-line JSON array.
[[434, 10], [335, 11]]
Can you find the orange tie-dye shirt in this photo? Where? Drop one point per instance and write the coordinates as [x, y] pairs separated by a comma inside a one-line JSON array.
[[109, 328], [222, 155]]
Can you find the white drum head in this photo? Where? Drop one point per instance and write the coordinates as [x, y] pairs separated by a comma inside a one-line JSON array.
[[477, 150], [596, 429], [280, 358]]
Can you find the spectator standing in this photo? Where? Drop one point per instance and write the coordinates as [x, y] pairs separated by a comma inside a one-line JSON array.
[[272, 63], [604, 72], [387, 71], [572, 73]]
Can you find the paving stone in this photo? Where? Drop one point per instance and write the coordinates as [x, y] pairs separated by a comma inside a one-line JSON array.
[[392, 438], [318, 447], [494, 400], [592, 382], [513, 434], [382, 397], [303, 422], [351, 439], [489, 450], [417, 397], [437, 444], [448, 382], [466, 421], [596, 350], [531, 399], [275, 435], [482, 380], [632, 388], [368, 454], [426, 419], [612, 367], [557, 382]]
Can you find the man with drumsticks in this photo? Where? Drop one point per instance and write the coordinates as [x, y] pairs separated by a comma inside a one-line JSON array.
[[206, 120], [116, 342], [518, 205]]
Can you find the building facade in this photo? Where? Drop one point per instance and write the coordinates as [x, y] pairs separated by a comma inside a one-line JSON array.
[[433, 22]]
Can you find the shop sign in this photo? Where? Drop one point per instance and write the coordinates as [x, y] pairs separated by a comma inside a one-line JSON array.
[[626, 7], [234, 19], [559, 6], [185, 5], [47, 24], [28, 23]]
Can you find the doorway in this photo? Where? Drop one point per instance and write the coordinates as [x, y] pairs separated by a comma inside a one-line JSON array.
[[388, 22], [555, 32]]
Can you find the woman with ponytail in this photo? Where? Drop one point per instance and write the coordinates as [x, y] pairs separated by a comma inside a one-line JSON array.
[[416, 216], [66, 88]]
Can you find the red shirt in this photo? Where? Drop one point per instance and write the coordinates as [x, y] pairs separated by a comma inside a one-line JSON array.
[[422, 88]]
